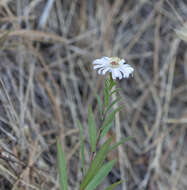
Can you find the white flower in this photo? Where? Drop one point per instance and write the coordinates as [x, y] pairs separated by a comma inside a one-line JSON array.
[[114, 65]]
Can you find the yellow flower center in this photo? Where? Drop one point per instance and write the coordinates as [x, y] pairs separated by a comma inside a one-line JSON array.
[[114, 62]]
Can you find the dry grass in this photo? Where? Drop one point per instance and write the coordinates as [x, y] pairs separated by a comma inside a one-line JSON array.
[[47, 82]]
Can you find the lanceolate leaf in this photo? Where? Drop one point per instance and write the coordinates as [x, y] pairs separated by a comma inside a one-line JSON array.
[[114, 185], [112, 84], [106, 94], [114, 91], [101, 174], [113, 103], [100, 105], [107, 83], [82, 146], [110, 118], [106, 129], [122, 141], [96, 164], [92, 129], [62, 166]]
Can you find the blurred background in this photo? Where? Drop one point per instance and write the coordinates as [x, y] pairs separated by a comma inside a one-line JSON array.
[[47, 82]]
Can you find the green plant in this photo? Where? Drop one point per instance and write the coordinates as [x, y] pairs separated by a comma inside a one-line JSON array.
[[97, 169]]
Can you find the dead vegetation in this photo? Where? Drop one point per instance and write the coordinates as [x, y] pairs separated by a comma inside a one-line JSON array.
[[47, 82]]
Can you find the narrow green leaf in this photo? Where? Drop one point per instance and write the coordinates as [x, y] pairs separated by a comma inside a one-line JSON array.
[[110, 118], [92, 129], [114, 91], [107, 83], [113, 103], [112, 84], [100, 105], [96, 164], [114, 185], [101, 174], [62, 166], [82, 146], [106, 129], [106, 94], [121, 141]]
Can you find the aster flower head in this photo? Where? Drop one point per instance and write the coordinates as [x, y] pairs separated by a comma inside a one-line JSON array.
[[116, 66]]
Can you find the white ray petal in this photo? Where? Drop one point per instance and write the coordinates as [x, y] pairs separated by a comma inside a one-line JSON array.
[[103, 60], [119, 74], [122, 62], [126, 66], [105, 70], [126, 71], [97, 61], [113, 74], [97, 66], [100, 70]]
